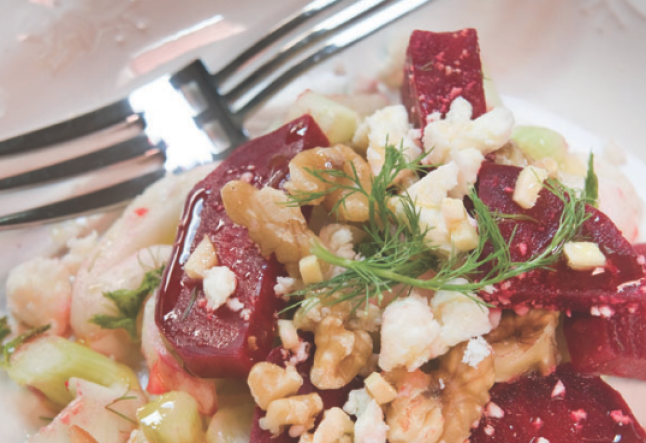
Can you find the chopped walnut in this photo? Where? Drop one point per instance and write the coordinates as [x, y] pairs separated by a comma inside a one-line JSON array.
[[336, 427], [204, 257], [269, 382], [340, 354], [465, 393], [274, 226], [525, 343], [310, 314], [341, 158], [295, 411], [415, 415]]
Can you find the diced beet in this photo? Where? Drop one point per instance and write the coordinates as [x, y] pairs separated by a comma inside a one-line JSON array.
[[331, 398], [440, 67], [565, 407], [226, 344], [609, 345], [561, 288]]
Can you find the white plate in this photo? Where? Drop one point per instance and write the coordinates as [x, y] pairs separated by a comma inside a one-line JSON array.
[[581, 60]]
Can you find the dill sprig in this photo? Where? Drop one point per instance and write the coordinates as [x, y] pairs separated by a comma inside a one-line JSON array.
[[398, 253]]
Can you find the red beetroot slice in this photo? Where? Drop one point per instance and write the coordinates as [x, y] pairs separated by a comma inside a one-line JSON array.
[[440, 67], [331, 398], [226, 344], [565, 407], [609, 343], [612, 346], [562, 288]]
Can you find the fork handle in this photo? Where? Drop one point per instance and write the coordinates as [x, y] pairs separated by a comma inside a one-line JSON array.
[[119, 112]]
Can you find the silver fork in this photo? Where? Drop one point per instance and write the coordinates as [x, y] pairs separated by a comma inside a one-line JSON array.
[[210, 118]]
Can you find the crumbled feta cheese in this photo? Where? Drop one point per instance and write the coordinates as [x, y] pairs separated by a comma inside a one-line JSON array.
[[542, 440], [370, 426], [410, 336], [559, 389], [492, 410], [219, 283], [387, 126], [234, 304], [465, 141], [583, 256], [460, 316], [528, 185], [285, 286], [477, 350], [357, 403], [449, 226]]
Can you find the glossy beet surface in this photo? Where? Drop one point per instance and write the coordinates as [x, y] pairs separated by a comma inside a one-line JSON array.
[[563, 288], [565, 407], [331, 398], [440, 67], [610, 343], [225, 344]]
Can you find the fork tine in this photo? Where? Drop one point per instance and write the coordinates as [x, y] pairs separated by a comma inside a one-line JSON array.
[[345, 39], [285, 27], [102, 199], [137, 146], [85, 124], [332, 25]]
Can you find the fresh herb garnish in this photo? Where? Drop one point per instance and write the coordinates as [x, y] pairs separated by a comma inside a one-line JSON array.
[[591, 183], [5, 330], [9, 348], [128, 303], [397, 251], [124, 397]]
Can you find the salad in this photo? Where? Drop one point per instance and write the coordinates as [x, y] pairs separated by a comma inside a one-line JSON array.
[[417, 272]]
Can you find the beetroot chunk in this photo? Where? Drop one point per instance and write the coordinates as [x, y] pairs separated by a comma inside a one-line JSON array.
[[224, 343], [561, 288], [565, 407], [440, 67], [331, 398]]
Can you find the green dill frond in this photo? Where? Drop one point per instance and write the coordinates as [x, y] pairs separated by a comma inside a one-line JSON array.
[[128, 304], [5, 330], [397, 252], [9, 348], [124, 397]]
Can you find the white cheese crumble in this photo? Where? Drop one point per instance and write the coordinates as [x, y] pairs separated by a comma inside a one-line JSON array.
[[219, 283], [387, 126], [410, 336], [465, 141], [370, 426], [460, 316], [357, 403], [477, 350], [284, 286]]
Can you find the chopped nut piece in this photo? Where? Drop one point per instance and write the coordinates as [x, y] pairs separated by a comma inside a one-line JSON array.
[[288, 335], [415, 416], [465, 394], [310, 270], [299, 411], [274, 226], [355, 205], [340, 354], [525, 343], [336, 427], [380, 389], [202, 258], [269, 382], [583, 255], [528, 185]]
